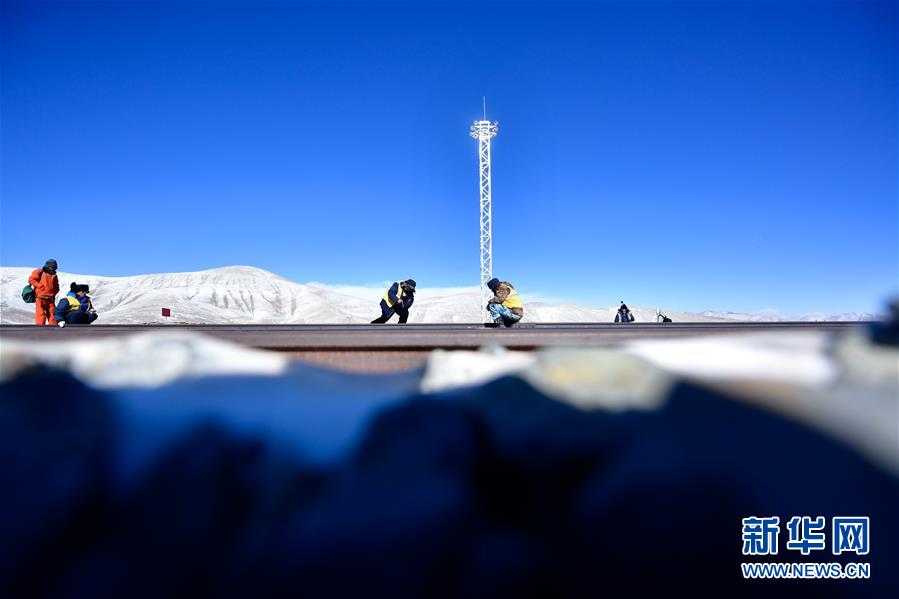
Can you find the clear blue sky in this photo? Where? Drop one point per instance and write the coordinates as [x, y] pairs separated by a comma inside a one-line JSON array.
[[694, 155]]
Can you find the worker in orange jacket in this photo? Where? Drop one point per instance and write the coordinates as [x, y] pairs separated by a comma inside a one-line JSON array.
[[46, 286]]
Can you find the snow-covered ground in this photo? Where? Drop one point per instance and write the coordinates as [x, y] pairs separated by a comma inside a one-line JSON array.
[[249, 295]]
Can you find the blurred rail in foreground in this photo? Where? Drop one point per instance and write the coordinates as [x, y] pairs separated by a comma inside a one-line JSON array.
[[371, 348]]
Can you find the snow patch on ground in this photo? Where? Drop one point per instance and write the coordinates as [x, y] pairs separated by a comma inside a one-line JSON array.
[[141, 360], [632, 368]]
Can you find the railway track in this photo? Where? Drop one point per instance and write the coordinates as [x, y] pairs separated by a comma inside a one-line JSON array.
[[399, 347]]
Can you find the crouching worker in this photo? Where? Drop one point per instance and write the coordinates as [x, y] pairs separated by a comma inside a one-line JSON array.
[[399, 299], [505, 306], [75, 307], [624, 314]]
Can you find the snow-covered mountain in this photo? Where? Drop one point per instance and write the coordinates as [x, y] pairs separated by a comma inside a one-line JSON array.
[[248, 295], [769, 316], [232, 295]]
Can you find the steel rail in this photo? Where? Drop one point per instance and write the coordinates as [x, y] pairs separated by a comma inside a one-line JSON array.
[[293, 337], [385, 348]]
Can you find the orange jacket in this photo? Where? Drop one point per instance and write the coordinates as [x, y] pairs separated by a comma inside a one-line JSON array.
[[44, 286]]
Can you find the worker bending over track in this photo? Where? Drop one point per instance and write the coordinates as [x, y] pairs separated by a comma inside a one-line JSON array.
[[505, 306], [76, 307], [398, 298]]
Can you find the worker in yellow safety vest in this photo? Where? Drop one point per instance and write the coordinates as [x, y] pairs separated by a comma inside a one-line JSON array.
[[76, 307], [505, 306], [398, 298]]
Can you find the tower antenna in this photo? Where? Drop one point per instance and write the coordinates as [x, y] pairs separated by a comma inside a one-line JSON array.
[[484, 131]]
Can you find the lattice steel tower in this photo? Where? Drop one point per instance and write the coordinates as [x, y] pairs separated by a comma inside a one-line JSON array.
[[484, 131]]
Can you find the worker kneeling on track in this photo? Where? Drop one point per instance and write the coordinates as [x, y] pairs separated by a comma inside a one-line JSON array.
[[75, 307], [505, 306], [398, 298]]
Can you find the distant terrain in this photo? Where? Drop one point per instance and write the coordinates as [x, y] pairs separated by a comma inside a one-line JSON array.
[[249, 295]]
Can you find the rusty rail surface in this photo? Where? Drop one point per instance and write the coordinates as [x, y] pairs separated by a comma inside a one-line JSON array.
[[401, 347], [419, 336]]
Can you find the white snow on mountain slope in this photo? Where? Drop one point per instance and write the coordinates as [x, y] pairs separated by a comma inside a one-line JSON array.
[[232, 295], [845, 317], [542, 312], [249, 295], [771, 316]]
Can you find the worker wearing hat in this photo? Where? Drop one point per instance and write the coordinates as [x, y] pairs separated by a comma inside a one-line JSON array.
[[75, 307], [624, 315], [46, 286], [505, 306], [398, 298]]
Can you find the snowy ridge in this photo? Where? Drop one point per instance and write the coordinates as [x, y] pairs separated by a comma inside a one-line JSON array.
[[770, 316], [231, 295], [249, 295]]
